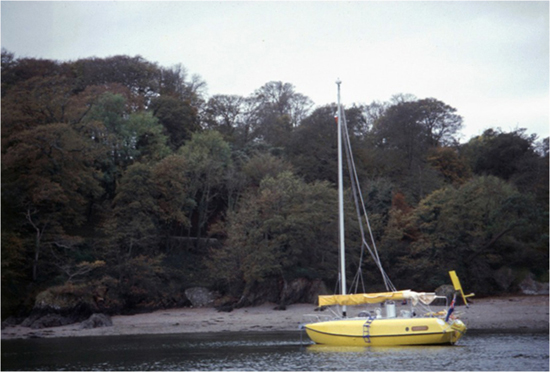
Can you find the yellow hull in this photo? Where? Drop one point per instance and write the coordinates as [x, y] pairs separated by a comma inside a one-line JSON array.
[[385, 332]]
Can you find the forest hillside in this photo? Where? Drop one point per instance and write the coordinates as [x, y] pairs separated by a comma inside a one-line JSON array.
[[124, 184]]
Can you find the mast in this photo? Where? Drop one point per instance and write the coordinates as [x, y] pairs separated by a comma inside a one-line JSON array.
[[341, 203]]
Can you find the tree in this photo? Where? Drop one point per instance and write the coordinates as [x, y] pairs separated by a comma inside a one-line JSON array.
[[174, 82], [17, 70], [145, 80], [36, 101], [132, 228], [405, 134], [280, 98], [510, 156], [225, 113], [484, 225], [313, 146], [14, 269], [454, 169], [541, 187], [171, 193], [394, 246], [263, 165], [399, 131], [135, 73], [374, 111], [414, 126], [145, 141], [440, 121], [151, 205], [208, 158], [48, 185], [287, 226], [178, 118], [379, 197], [142, 281], [126, 137], [277, 110]]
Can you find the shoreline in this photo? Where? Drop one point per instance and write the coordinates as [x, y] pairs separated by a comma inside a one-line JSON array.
[[508, 314]]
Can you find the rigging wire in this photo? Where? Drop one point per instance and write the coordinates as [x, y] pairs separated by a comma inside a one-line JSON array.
[[360, 205]]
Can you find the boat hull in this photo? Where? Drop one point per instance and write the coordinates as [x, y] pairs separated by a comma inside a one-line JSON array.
[[385, 332]]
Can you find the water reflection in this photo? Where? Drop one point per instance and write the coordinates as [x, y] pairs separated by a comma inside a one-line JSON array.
[[275, 351], [390, 358], [376, 349]]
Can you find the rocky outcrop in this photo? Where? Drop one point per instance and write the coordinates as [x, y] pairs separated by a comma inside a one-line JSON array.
[[445, 290], [302, 290], [504, 278], [40, 321], [201, 297], [282, 292], [12, 321], [69, 304], [60, 306], [226, 303], [531, 287], [51, 320], [261, 292], [97, 321], [48, 317], [448, 291]]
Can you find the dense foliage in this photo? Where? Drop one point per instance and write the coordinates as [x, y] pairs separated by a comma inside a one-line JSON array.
[[122, 178]]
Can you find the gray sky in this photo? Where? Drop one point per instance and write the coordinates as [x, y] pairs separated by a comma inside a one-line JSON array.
[[489, 60]]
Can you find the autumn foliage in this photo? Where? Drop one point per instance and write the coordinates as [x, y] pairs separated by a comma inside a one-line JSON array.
[[124, 181]]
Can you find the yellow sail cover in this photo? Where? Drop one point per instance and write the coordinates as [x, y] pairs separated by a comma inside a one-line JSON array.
[[374, 298]]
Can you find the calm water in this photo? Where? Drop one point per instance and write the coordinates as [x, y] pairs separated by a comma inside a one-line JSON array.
[[274, 351]]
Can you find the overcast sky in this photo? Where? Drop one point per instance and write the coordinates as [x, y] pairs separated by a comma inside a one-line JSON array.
[[489, 60]]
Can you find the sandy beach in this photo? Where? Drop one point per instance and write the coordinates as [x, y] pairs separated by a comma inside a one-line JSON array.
[[517, 313]]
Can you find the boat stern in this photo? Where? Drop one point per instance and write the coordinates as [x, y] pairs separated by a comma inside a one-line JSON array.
[[458, 330]]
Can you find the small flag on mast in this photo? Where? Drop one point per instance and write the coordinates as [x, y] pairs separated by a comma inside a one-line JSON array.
[[451, 308]]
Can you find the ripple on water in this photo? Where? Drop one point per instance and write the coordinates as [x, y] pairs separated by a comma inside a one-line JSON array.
[[276, 351]]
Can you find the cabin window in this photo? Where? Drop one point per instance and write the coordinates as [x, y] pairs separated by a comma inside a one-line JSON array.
[[420, 328]]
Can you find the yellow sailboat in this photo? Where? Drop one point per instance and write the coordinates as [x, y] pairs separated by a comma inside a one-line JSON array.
[[386, 332], [415, 324], [389, 329]]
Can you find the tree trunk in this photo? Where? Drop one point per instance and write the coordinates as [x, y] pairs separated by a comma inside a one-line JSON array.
[[37, 244], [490, 243]]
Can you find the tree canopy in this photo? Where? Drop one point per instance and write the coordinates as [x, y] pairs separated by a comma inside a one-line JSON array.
[[123, 175]]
